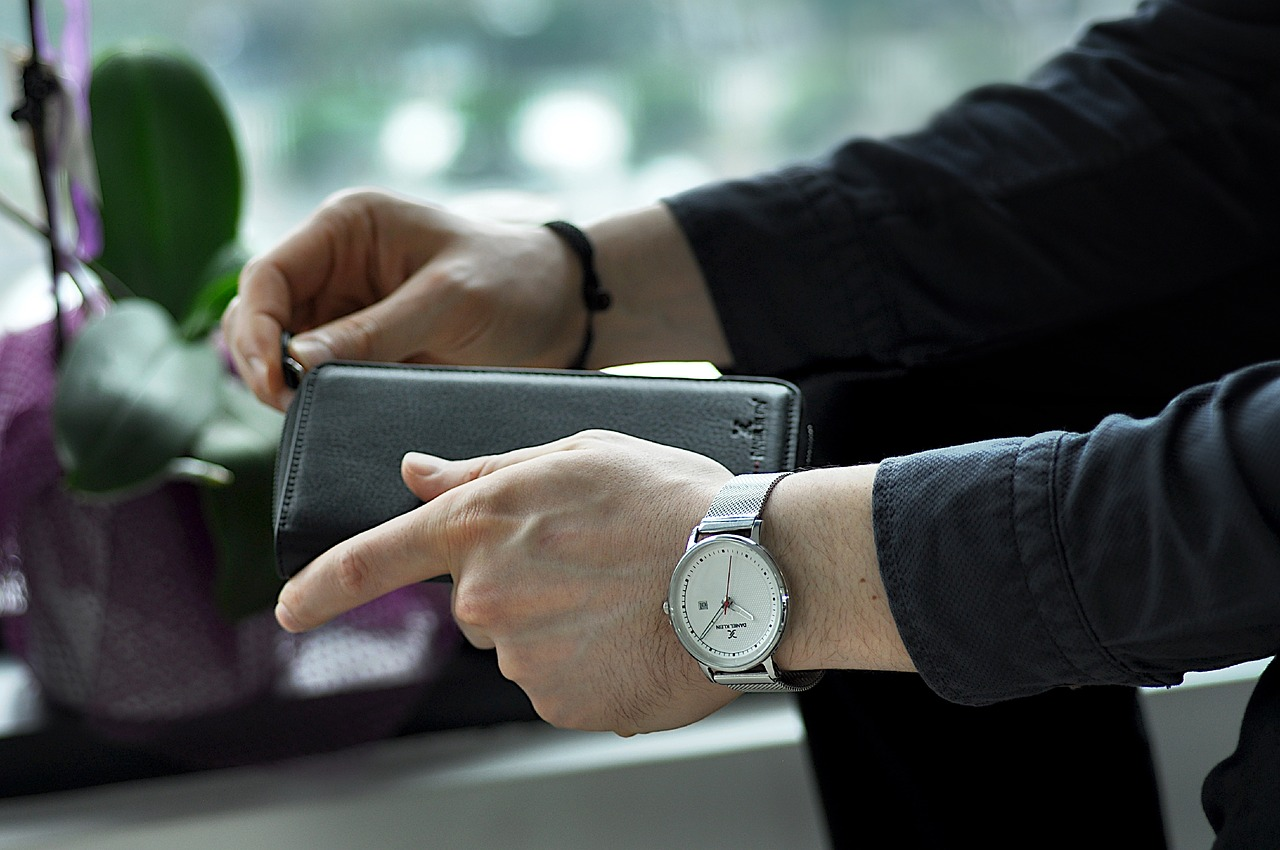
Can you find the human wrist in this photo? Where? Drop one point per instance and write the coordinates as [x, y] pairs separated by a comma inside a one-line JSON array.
[[661, 308], [595, 298], [555, 266], [818, 527]]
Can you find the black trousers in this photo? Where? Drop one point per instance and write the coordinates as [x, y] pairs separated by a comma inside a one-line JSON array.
[[898, 766]]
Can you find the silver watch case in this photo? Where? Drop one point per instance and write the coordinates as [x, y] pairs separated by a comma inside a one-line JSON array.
[[757, 668]]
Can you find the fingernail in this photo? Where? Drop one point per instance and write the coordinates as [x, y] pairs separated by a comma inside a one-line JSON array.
[[310, 350], [422, 465], [286, 619], [258, 371]]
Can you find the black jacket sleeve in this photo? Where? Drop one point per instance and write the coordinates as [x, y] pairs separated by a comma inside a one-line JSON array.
[[1128, 555], [1139, 164]]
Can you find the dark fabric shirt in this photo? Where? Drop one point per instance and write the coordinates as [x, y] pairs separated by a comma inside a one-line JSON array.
[[1141, 164]]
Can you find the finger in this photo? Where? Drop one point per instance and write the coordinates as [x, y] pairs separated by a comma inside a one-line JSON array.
[[252, 324], [404, 550], [258, 367], [272, 287], [391, 329]]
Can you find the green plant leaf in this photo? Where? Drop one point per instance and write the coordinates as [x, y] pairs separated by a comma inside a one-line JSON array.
[[131, 396], [243, 437], [170, 172], [222, 278]]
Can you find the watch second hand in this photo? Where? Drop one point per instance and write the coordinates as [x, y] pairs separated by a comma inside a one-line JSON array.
[[724, 606]]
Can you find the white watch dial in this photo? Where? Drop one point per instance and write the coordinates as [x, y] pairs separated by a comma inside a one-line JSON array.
[[728, 602]]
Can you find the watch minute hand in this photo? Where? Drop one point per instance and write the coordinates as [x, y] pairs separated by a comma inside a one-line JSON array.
[[719, 613]]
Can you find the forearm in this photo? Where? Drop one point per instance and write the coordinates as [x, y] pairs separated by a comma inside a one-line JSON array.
[[661, 309], [818, 523]]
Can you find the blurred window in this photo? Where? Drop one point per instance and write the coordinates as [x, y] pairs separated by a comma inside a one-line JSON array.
[[533, 108]]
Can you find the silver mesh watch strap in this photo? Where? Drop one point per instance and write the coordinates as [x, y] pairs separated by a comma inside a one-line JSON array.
[[740, 502], [737, 508], [800, 680]]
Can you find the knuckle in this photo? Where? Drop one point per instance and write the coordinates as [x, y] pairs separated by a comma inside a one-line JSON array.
[[604, 443], [591, 437], [356, 574], [484, 467], [348, 199], [477, 603], [344, 214], [255, 277], [478, 598], [250, 270], [466, 521]]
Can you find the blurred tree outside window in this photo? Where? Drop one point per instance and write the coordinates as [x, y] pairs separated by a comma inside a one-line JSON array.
[[572, 108]]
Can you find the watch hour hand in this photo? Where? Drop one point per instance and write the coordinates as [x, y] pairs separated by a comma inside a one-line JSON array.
[[738, 609]]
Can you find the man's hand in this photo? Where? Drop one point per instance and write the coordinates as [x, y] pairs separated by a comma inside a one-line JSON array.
[[374, 277], [560, 557]]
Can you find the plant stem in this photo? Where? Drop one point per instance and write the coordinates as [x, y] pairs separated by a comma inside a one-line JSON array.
[[115, 286], [38, 84], [18, 216]]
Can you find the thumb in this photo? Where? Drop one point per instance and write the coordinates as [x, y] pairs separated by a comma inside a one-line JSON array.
[[428, 476], [384, 331]]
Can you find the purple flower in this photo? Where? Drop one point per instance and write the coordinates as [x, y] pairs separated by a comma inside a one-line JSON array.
[[77, 143]]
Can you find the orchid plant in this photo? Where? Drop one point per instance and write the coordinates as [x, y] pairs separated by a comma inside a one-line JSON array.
[[149, 234]]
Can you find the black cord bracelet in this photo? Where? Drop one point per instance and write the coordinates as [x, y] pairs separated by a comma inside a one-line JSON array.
[[594, 296]]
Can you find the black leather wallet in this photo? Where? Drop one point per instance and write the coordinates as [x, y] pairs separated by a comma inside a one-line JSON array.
[[349, 425]]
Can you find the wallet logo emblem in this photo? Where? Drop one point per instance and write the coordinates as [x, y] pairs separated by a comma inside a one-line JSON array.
[[752, 430]]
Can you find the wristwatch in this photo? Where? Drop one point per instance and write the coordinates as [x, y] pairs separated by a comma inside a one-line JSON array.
[[728, 600]]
